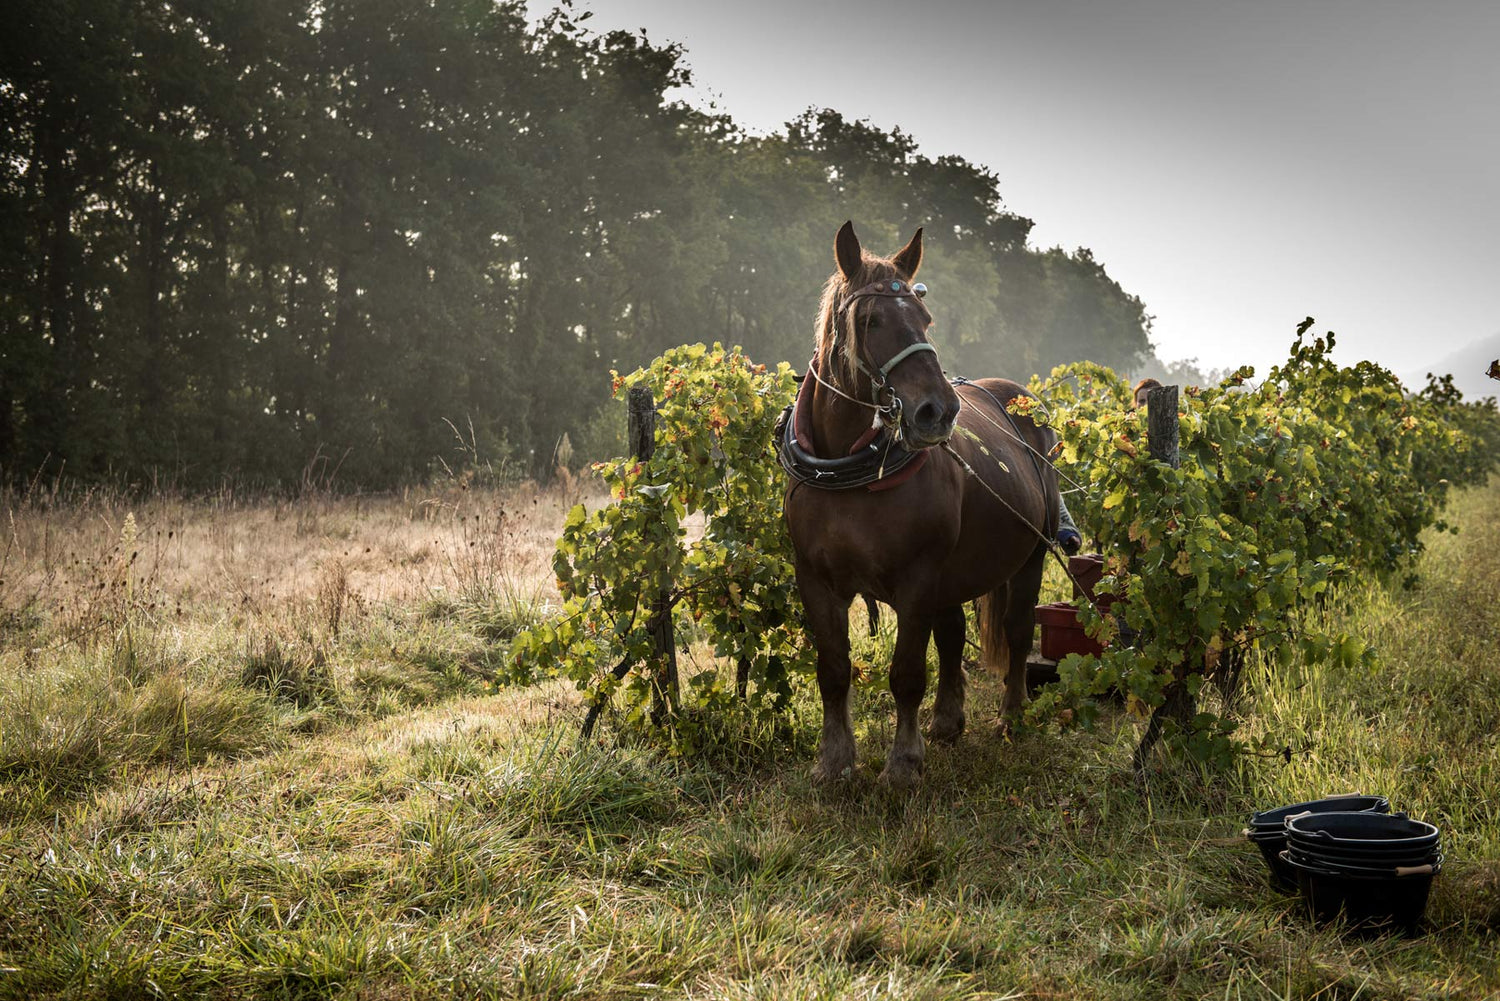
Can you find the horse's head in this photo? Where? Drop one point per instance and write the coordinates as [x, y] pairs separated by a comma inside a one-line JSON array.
[[872, 339]]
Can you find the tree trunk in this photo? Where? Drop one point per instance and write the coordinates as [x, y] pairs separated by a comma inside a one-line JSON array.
[[8, 455], [63, 371], [151, 389], [337, 390]]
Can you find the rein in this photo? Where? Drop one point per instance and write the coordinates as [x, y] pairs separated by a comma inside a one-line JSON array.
[[1015, 433], [1051, 544]]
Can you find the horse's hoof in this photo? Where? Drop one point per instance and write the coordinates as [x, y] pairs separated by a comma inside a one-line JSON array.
[[901, 776], [947, 730], [827, 774]]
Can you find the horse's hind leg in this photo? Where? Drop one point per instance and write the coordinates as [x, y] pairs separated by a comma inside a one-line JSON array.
[[908, 683], [828, 622], [949, 630], [1019, 627]]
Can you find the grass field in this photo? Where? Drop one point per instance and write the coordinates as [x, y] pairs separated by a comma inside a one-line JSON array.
[[250, 749]]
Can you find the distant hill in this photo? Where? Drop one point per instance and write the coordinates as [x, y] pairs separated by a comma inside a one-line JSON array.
[[1468, 365]]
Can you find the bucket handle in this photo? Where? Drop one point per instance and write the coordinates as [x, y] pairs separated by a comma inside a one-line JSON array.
[[1414, 870]]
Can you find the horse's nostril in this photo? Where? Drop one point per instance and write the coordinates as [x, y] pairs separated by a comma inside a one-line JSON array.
[[928, 415]]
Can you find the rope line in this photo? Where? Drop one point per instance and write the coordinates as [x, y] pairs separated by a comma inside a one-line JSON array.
[[1010, 433], [834, 389], [1052, 546]]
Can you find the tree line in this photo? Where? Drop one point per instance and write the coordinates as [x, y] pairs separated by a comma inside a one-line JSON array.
[[269, 239]]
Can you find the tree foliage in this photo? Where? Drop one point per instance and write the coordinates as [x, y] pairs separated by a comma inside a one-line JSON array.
[[246, 235]]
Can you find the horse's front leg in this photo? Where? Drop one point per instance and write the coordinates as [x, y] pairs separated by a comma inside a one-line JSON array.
[[908, 683], [828, 622]]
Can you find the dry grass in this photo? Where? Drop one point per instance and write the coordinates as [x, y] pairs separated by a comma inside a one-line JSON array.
[[144, 632], [66, 564], [385, 828]]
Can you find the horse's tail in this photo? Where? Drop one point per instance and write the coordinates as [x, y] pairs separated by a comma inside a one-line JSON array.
[[1007, 619], [994, 647]]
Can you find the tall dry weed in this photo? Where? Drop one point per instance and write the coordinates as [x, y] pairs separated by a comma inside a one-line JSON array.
[[20, 593], [103, 591], [335, 598]]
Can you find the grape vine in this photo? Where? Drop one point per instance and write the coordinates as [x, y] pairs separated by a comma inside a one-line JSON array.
[[732, 584], [1286, 489]]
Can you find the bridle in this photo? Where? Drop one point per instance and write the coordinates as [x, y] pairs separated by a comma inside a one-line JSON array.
[[874, 460], [889, 412]]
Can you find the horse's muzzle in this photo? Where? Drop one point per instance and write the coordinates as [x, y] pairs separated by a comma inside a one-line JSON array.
[[931, 424]]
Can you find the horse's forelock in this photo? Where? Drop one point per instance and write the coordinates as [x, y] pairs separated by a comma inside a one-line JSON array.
[[834, 291]]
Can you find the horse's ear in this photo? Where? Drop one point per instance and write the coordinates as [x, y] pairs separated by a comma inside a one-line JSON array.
[[846, 251], [909, 258]]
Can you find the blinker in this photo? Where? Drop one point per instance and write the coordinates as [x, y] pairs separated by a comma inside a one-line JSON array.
[[919, 290]]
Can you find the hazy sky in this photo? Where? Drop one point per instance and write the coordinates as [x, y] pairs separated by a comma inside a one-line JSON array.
[[1237, 165]]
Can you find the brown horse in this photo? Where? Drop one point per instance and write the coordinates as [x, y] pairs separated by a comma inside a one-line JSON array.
[[928, 538]]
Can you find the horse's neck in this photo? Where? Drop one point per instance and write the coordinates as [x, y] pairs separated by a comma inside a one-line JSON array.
[[837, 423]]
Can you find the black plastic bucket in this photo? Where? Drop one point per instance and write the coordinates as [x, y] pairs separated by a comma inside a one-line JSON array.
[[1268, 829], [1367, 903], [1371, 835], [1344, 856], [1271, 846], [1275, 820]]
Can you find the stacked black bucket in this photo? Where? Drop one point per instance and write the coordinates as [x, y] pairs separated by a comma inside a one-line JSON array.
[[1351, 859]]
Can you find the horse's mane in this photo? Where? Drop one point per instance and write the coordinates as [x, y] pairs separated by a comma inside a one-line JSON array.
[[872, 269]]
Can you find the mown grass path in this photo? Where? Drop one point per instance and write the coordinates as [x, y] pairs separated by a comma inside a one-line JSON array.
[[473, 848]]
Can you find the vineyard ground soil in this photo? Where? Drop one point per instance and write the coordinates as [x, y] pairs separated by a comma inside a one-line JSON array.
[[263, 761]]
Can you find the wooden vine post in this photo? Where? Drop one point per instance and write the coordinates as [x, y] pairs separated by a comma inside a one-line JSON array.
[[641, 432], [1162, 433], [1161, 425]]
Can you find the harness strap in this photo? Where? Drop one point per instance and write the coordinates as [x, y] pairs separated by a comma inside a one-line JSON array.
[[902, 355]]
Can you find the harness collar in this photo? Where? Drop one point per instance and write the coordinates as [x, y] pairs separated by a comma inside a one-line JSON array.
[[876, 462], [879, 460]]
